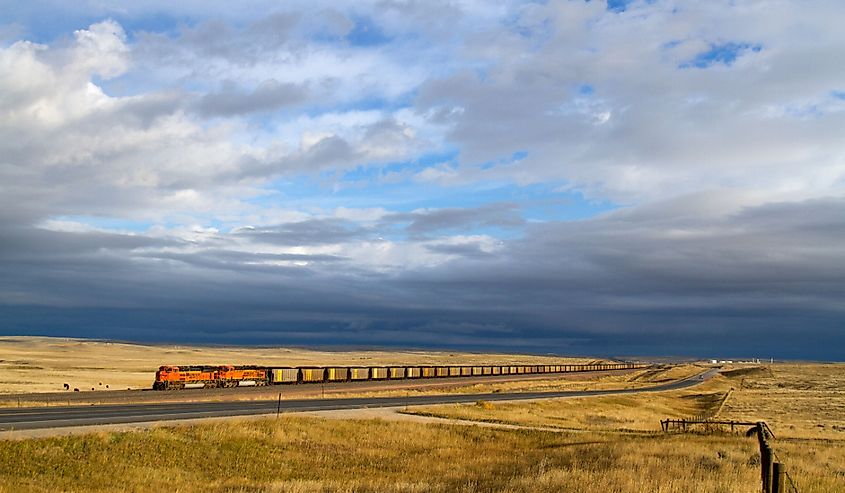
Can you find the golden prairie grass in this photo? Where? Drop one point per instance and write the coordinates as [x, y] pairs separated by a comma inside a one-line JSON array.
[[298, 454], [803, 403], [301, 454], [797, 400], [43, 364], [632, 412], [612, 446]]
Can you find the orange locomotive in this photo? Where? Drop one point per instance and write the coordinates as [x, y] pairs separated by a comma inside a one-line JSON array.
[[241, 376], [197, 377]]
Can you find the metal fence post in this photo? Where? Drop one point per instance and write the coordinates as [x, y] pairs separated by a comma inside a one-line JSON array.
[[279, 405]]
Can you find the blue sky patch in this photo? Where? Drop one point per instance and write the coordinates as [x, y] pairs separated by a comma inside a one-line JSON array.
[[366, 33], [585, 90], [540, 202], [724, 54], [618, 5], [108, 223]]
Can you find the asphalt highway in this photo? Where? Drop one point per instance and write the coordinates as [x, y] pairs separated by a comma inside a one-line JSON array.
[[70, 416]]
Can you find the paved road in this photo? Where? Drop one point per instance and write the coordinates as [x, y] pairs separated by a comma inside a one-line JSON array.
[[54, 417]]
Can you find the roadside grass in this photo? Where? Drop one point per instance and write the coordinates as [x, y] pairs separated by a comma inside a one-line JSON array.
[[301, 454], [602, 444], [635, 412], [797, 400], [803, 403]]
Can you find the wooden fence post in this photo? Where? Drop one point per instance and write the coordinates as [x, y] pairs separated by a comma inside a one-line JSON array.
[[778, 478], [766, 462]]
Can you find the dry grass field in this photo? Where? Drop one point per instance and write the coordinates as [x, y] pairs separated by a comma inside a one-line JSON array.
[[635, 412], [797, 400], [295, 454], [598, 444], [43, 364], [803, 403], [307, 454]]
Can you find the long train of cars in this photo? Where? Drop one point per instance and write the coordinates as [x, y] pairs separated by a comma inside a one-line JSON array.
[[195, 377]]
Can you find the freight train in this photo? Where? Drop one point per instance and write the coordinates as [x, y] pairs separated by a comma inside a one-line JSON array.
[[195, 377]]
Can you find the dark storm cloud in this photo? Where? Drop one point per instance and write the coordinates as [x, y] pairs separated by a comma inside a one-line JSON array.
[[271, 36], [310, 232], [140, 112], [17, 242], [270, 95], [630, 281], [501, 215], [462, 250], [728, 178], [654, 262], [290, 264], [325, 153], [215, 39]]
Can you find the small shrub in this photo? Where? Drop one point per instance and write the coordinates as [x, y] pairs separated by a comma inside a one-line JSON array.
[[487, 406], [709, 464]]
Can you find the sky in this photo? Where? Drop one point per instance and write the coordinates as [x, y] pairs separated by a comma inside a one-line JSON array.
[[641, 177]]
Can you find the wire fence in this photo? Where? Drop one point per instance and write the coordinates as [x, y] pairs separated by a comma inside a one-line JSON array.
[[773, 471]]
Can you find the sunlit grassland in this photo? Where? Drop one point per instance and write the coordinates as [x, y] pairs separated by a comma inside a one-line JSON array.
[[636, 412], [602, 444], [43, 364], [797, 400], [302, 454], [298, 454], [803, 403]]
